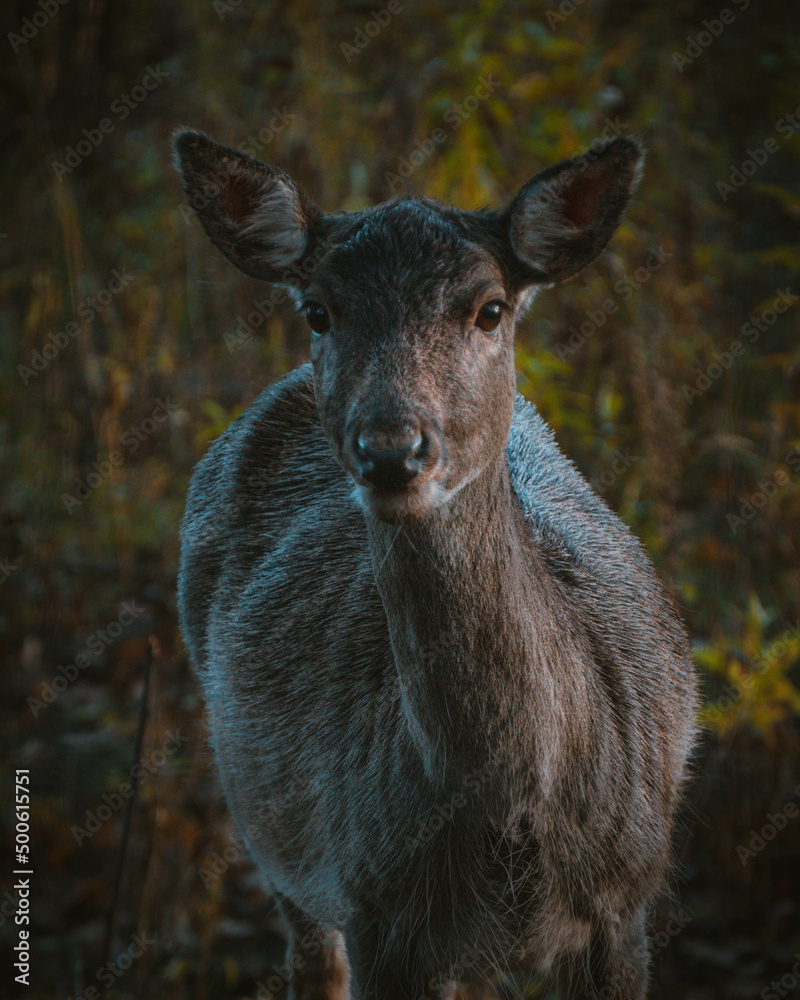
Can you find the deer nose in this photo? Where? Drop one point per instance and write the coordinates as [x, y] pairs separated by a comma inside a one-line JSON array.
[[392, 459]]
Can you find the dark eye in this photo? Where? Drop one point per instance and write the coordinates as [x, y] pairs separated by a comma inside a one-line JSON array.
[[317, 317], [489, 316]]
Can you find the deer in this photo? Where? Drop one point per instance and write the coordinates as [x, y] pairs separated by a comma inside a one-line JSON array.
[[451, 704]]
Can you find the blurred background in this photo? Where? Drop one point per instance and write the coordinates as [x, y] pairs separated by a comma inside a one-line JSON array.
[[670, 370]]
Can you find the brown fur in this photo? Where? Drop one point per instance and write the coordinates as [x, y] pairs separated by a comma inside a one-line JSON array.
[[454, 713]]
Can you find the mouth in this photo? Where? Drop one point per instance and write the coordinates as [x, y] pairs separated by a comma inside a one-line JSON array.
[[403, 505]]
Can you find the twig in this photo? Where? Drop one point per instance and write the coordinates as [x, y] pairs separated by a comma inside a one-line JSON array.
[[108, 943]]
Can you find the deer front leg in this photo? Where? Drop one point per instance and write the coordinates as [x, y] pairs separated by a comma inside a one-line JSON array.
[[316, 962], [613, 966], [380, 971]]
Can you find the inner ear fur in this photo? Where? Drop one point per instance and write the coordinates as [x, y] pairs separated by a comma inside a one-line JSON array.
[[565, 216], [252, 211]]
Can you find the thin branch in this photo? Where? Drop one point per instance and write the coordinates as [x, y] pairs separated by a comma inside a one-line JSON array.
[[108, 943]]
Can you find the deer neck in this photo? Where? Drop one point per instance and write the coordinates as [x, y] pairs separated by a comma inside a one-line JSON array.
[[458, 589]]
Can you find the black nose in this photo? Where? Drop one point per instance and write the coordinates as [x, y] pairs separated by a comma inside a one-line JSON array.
[[391, 459]]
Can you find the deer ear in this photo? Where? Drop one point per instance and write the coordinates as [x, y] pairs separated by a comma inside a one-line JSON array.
[[564, 216], [253, 212]]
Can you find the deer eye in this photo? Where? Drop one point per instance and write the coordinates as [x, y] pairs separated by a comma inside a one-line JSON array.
[[489, 316], [317, 317]]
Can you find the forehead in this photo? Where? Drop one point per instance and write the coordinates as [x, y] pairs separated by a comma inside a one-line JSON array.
[[411, 248]]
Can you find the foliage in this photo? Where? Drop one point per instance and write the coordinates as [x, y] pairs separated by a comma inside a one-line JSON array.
[[709, 434]]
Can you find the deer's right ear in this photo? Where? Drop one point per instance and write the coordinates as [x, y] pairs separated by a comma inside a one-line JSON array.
[[253, 212]]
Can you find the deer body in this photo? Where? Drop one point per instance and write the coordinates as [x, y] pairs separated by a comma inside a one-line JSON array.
[[450, 702]]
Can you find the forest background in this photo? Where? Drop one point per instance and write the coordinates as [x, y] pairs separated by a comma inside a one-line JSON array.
[[669, 369]]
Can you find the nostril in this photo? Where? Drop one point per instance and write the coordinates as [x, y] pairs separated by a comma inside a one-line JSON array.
[[390, 458], [362, 446], [426, 447], [417, 448]]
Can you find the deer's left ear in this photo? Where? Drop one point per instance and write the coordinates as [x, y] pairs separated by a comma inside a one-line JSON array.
[[564, 216]]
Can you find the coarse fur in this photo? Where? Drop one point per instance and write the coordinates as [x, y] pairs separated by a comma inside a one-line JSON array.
[[452, 719]]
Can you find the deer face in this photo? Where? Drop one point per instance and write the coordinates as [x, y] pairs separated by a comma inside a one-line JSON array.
[[411, 305], [412, 326]]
